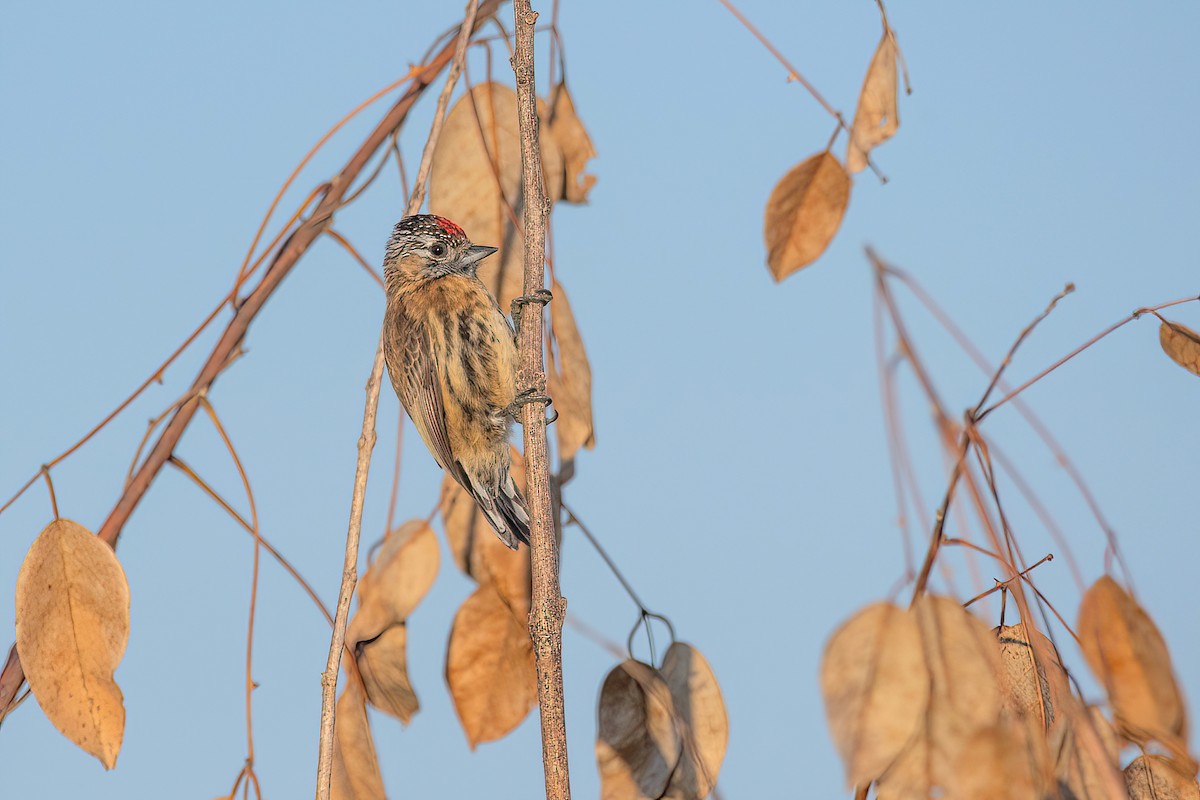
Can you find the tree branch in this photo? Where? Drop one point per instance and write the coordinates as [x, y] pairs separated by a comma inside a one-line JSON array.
[[549, 608]]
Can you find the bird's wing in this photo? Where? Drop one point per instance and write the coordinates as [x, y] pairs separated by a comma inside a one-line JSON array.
[[418, 384]]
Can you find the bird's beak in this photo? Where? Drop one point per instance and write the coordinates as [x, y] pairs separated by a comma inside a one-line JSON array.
[[477, 253]]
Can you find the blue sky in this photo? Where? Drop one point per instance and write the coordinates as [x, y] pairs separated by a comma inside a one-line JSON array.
[[740, 477]]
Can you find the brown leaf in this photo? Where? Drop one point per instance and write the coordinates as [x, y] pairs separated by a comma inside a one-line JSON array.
[[878, 115], [963, 664], [701, 719], [1036, 681], [479, 552], [476, 178], [804, 212], [1087, 749], [397, 580], [637, 742], [1182, 344], [489, 667], [996, 764], [383, 664], [876, 688], [356, 773], [1153, 777], [569, 379], [72, 617], [1127, 653], [576, 146]]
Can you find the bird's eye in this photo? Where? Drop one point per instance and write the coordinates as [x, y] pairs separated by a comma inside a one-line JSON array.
[[438, 250]]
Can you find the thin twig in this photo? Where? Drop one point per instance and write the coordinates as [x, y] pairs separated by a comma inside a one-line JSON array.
[[50, 489], [794, 75], [1012, 351], [187, 470], [237, 463], [548, 606], [1002, 584], [1110, 329], [349, 248], [574, 519], [391, 513], [366, 441]]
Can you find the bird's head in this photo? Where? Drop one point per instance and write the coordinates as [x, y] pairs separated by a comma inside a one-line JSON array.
[[426, 246]]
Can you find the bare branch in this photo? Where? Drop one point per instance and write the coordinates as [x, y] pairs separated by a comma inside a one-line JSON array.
[[549, 608]]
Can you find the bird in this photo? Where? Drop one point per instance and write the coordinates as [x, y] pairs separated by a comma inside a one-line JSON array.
[[451, 355]]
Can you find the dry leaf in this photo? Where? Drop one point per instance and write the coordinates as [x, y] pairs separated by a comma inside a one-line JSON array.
[[701, 719], [637, 742], [576, 146], [356, 773], [963, 667], [1087, 771], [479, 552], [476, 177], [876, 688], [383, 664], [72, 616], [804, 212], [569, 379], [396, 581], [489, 667], [995, 764], [1036, 681], [878, 116], [1182, 344], [1154, 778], [1127, 653]]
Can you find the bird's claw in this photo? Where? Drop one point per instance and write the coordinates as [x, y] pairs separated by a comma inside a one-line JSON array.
[[541, 296], [528, 396]]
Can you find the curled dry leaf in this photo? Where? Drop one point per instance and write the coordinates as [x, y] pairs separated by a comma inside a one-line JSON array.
[[876, 688], [1156, 778], [356, 774], [479, 552], [963, 665], [701, 720], [878, 114], [393, 585], [476, 175], [490, 667], [637, 742], [569, 379], [383, 664], [804, 212], [1127, 653], [72, 617], [573, 141], [1182, 344]]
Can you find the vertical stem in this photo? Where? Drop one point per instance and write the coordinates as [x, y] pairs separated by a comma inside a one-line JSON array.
[[549, 607], [366, 444]]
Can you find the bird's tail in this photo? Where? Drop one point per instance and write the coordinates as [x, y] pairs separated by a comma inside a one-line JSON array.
[[505, 510]]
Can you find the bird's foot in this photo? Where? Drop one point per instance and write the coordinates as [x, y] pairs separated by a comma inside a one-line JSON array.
[[531, 395], [541, 296]]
